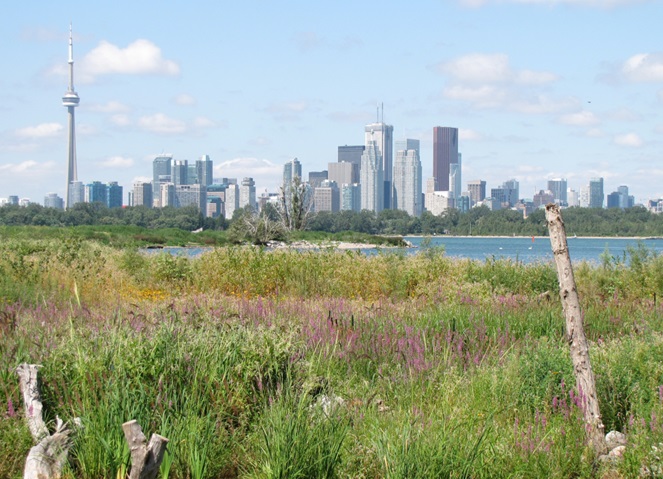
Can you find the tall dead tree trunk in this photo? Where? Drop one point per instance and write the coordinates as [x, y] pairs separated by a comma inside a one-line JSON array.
[[575, 332]]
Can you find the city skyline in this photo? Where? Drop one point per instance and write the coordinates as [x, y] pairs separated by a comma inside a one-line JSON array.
[[529, 103]]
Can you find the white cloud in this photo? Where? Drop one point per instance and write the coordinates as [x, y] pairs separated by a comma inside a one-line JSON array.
[[120, 120], [162, 124], [644, 67], [117, 162], [479, 68], [485, 96], [19, 167], [594, 133], [139, 58], [109, 107], [628, 139], [265, 173], [469, 135], [184, 99], [43, 130], [202, 122], [483, 69], [581, 118]]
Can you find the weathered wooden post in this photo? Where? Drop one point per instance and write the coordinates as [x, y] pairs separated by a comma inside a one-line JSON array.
[[46, 459], [145, 457], [575, 332]]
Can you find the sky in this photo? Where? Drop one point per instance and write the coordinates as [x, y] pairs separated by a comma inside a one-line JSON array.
[[539, 89]]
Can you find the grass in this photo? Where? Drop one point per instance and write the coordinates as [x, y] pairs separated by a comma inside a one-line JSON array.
[[443, 368]]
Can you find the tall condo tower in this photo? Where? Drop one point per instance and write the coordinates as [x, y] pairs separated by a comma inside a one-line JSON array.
[[70, 100], [445, 152]]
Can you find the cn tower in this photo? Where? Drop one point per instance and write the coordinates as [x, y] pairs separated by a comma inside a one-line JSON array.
[[70, 100]]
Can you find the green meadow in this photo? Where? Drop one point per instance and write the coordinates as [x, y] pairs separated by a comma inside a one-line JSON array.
[[326, 363]]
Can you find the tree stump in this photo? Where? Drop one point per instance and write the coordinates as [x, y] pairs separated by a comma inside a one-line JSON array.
[[46, 459], [145, 457]]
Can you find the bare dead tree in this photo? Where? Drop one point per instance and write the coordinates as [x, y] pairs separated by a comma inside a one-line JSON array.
[[295, 204], [575, 332]]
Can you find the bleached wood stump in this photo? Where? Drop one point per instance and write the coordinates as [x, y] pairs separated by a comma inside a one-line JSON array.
[[145, 457], [46, 459], [575, 332]]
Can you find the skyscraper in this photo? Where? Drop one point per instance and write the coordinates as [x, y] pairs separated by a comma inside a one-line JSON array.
[[161, 173], [456, 179], [291, 169], [407, 178], [205, 170], [596, 195], [180, 172], [71, 100], [558, 186], [247, 193], [352, 154], [382, 136], [372, 180], [445, 152], [114, 195], [477, 189]]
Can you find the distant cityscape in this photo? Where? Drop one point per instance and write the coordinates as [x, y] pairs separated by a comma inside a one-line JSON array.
[[378, 175]]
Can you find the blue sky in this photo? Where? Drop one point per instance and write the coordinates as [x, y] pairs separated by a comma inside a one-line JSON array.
[[538, 88]]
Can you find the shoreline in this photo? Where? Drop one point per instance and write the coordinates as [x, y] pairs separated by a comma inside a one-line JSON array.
[[642, 238]]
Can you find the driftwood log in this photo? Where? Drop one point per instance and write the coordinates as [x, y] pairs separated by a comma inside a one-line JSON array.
[[145, 457], [46, 459], [575, 332]]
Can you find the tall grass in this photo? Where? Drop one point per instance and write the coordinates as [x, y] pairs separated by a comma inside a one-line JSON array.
[[445, 368]]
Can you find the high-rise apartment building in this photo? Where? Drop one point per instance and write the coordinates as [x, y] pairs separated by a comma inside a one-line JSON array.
[[407, 178], [381, 135], [114, 195], [559, 188], [247, 194], [161, 173], [188, 195], [326, 197], [456, 178], [572, 197], [205, 170], [596, 196], [315, 178], [142, 194], [180, 172], [372, 179], [445, 152], [351, 197], [232, 200], [166, 195], [352, 154], [95, 192], [291, 170], [477, 190], [342, 173], [52, 200]]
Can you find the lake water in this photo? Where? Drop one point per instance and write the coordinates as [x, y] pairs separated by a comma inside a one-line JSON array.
[[534, 249], [526, 250]]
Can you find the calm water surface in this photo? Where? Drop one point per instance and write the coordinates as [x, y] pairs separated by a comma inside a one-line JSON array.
[[534, 249], [526, 250]]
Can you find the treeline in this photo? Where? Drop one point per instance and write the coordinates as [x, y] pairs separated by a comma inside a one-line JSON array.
[[95, 214], [480, 221]]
